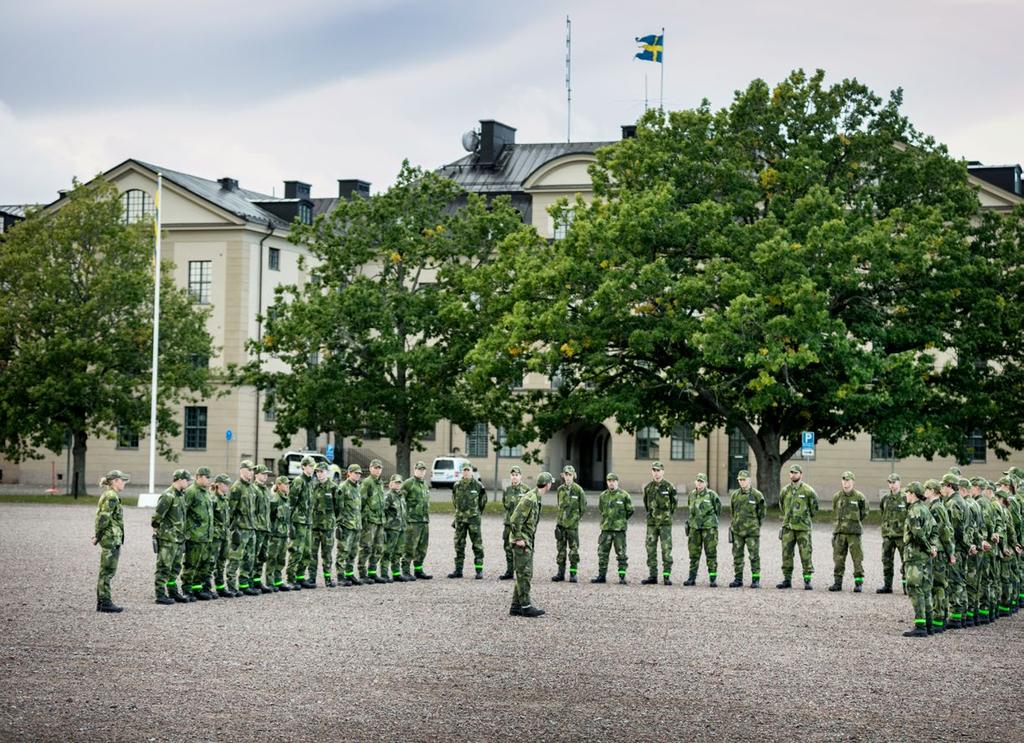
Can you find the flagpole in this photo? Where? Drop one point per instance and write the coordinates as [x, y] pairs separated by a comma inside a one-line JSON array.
[[568, 80], [663, 69], [149, 498]]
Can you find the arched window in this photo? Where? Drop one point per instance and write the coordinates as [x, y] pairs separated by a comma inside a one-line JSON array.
[[136, 205]]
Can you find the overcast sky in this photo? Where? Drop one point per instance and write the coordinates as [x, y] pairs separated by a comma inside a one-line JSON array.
[[317, 90]]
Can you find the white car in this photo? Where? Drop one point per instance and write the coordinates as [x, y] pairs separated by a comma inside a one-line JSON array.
[[447, 470], [293, 461]]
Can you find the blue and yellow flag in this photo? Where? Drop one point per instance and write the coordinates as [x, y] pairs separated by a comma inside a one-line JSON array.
[[652, 48]]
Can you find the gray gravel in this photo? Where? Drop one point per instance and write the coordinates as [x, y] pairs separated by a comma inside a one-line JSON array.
[[442, 660]]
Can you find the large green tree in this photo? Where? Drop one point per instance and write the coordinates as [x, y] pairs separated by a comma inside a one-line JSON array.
[[76, 330], [364, 343], [804, 259]]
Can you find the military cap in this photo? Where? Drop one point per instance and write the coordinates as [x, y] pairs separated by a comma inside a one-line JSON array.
[[932, 485], [322, 467], [467, 465], [568, 470], [516, 470], [306, 461], [848, 476], [222, 479], [796, 468], [963, 482], [282, 480], [893, 477], [701, 477], [1004, 480], [246, 464], [203, 472], [376, 463], [396, 478], [611, 476], [117, 475], [979, 481], [955, 470], [950, 479], [259, 469], [657, 465], [1014, 471], [544, 478], [915, 488], [355, 468], [182, 475], [420, 465], [742, 475]]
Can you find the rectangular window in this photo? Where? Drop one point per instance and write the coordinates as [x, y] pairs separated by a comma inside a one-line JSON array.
[[305, 214], [881, 451], [199, 361], [195, 427], [127, 438], [647, 441], [274, 259], [563, 223], [508, 451], [199, 280], [268, 462], [269, 413], [976, 447], [682, 442], [476, 441]]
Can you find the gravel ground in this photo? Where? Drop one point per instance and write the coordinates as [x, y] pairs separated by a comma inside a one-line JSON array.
[[442, 660]]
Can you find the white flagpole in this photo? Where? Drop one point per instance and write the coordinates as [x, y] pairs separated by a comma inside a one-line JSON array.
[[662, 69], [149, 498]]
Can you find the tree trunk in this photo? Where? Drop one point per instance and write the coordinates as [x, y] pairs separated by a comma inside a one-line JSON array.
[[769, 471], [403, 451], [78, 464]]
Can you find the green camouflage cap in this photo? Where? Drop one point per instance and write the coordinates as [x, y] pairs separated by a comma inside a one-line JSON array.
[[932, 485], [1014, 471], [282, 480], [612, 476], [848, 476], [182, 475], [420, 465], [246, 464], [516, 470], [396, 478], [1004, 480], [893, 477], [376, 463], [117, 475], [355, 468], [544, 478], [963, 482], [955, 470], [657, 465], [701, 477], [950, 479], [742, 475], [259, 469], [321, 467], [568, 470], [203, 472], [222, 479], [467, 465], [796, 468], [978, 481], [915, 488], [306, 461]]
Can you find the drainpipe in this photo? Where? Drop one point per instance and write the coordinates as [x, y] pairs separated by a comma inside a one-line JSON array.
[[259, 335]]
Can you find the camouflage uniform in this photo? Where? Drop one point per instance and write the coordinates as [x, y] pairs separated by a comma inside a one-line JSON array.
[[943, 543], [300, 493], [703, 509], [748, 511], [199, 517], [1007, 551], [323, 521], [616, 509], [220, 545], [509, 500], [848, 513], [371, 542], [992, 518], [572, 504], [394, 532], [261, 528], [976, 562], [280, 525], [918, 537], [963, 524], [348, 513], [168, 521], [660, 503], [469, 499], [108, 530], [524, 527], [799, 505], [894, 514], [242, 499], [417, 531]]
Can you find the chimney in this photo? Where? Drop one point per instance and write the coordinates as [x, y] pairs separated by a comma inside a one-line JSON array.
[[296, 190], [629, 131], [228, 184], [494, 136], [351, 188]]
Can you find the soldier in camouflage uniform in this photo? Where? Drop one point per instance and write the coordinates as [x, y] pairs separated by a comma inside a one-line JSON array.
[[242, 500], [417, 532], [199, 517], [394, 531], [748, 511], [993, 528], [168, 524], [348, 505], [300, 492], [799, 503], [660, 504], [220, 547], [371, 543], [971, 491], [261, 527], [849, 509], [946, 556], [918, 552], [572, 504], [616, 509], [1015, 505], [323, 521], [1011, 547], [280, 526], [894, 513], [108, 533], [703, 509], [509, 500], [963, 541], [469, 499], [524, 530]]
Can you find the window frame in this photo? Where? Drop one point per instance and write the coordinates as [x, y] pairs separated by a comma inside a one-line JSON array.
[[200, 281], [198, 429], [650, 450], [683, 435], [477, 444]]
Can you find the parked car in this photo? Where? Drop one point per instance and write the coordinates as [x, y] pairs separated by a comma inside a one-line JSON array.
[[447, 470], [293, 459]]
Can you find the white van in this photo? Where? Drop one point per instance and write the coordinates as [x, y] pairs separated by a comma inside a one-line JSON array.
[[447, 470], [293, 461]]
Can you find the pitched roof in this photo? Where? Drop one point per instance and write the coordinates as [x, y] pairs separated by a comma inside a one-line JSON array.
[[15, 210], [515, 164]]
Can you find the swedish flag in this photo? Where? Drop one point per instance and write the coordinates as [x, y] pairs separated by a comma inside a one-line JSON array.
[[652, 48]]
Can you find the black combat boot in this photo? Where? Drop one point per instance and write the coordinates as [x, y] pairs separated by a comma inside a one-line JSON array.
[[807, 585], [457, 573], [650, 580], [479, 574], [399, 578], [917, 631], [177, 595], [309, 582], [407, 574], [666, 579], [163, 599], [786, 582], [210, 589], [886, 587], [755, 582], [691, 579], [858, 585], [530, 611], [202, 595], [600, 578], [713, 582], [515, 611], [356, 581], [377, 578], [737, 582], [559, 576], [225, 593], [250, 591], [622, 579], [108, 607], [507, 575], [420, 575], [572, 576], [837, 585]]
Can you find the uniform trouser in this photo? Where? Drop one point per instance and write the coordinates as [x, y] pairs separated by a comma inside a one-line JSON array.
[[956, 591], [417, 537], [108, 567], [940, 582], [243, 556], [890, 546], [919, 590], [277, 553], [298, 553], [220, 552], [986, 573], [523, 568], [1007, 584], [509, 558], [197, 565], [394, 546], [706, 541], [472, 528], [322, 546], [348, 549], [801, 539], [841, 545], [371, 547], [656, 534], [260, 553], [972, 578], [605, 542], [567, 540], [168, 565], [752, 544]]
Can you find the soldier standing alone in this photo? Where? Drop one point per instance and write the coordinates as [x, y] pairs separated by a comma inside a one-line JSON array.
[[704, 508], [616, 509], [572, 504], [524, 530], [799, 503], [849, 508], [660, 504], [894, 514], [468, 500], [108, 533], [748, 510], [417, 531]]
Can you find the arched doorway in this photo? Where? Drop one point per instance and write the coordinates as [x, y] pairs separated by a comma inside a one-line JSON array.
[[587, 448]]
